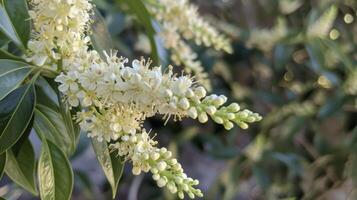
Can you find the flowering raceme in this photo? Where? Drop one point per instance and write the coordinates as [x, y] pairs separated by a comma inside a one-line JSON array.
[[115, 97], [180, 20]]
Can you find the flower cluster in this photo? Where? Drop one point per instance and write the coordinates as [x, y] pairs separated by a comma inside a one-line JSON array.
[[180, 20], [59, 30], [166, 171], [115, 97], [266, 39]]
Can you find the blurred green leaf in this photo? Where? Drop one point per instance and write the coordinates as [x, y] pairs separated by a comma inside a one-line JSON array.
[[338, 51], [6, 55], [138, 8], [20, 167], [2, 164], [100, 36], [12, 74], [331, 106], [55, 175], [321, 26], [111, 163], [292, 161], [84, 182], [16, 111]]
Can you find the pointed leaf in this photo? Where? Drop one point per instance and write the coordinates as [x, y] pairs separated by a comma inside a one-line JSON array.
[[51, 124], [12, 74], [8, 29], [321, 26], [111, 163], [20, 167], [54, 173], [18, 13], [16, 111]]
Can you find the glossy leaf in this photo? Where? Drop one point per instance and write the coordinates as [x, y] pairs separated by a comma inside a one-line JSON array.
[[2, 164], [7, 28], [20, 167], [18, 13], [16, 111], [51, 124], [55, 174], [12, 74], [111, 163]]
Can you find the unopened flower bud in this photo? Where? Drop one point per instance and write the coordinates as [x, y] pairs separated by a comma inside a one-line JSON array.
[[202, 117], [200, 92], [192, 112], [211, 110], [234, 107]]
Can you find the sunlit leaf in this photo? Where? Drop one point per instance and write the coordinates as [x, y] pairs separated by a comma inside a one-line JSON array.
[[321, 26], [55, 174]]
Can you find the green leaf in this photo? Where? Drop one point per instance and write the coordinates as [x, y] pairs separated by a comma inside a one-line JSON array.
[[12, 74], [46, 95], [20, 167], [16, 111], [111, 163], [55, 175], [51, 124], [144, 18], [6, 55], [321, 26], [3, 39], [18, 13], [53, 118], [7, 27], [100, 37], [2, 164]]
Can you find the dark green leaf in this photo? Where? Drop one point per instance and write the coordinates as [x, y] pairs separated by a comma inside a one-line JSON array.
[[2, 164], [54, 173], [51, 124], [16, 111], [111, 163], [3, 40], [6, 55], [18, 13], [12, 74], [21, 167], [8, 29], [46, 95]]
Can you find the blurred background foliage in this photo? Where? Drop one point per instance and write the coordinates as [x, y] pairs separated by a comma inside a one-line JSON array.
[[294, 62]]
